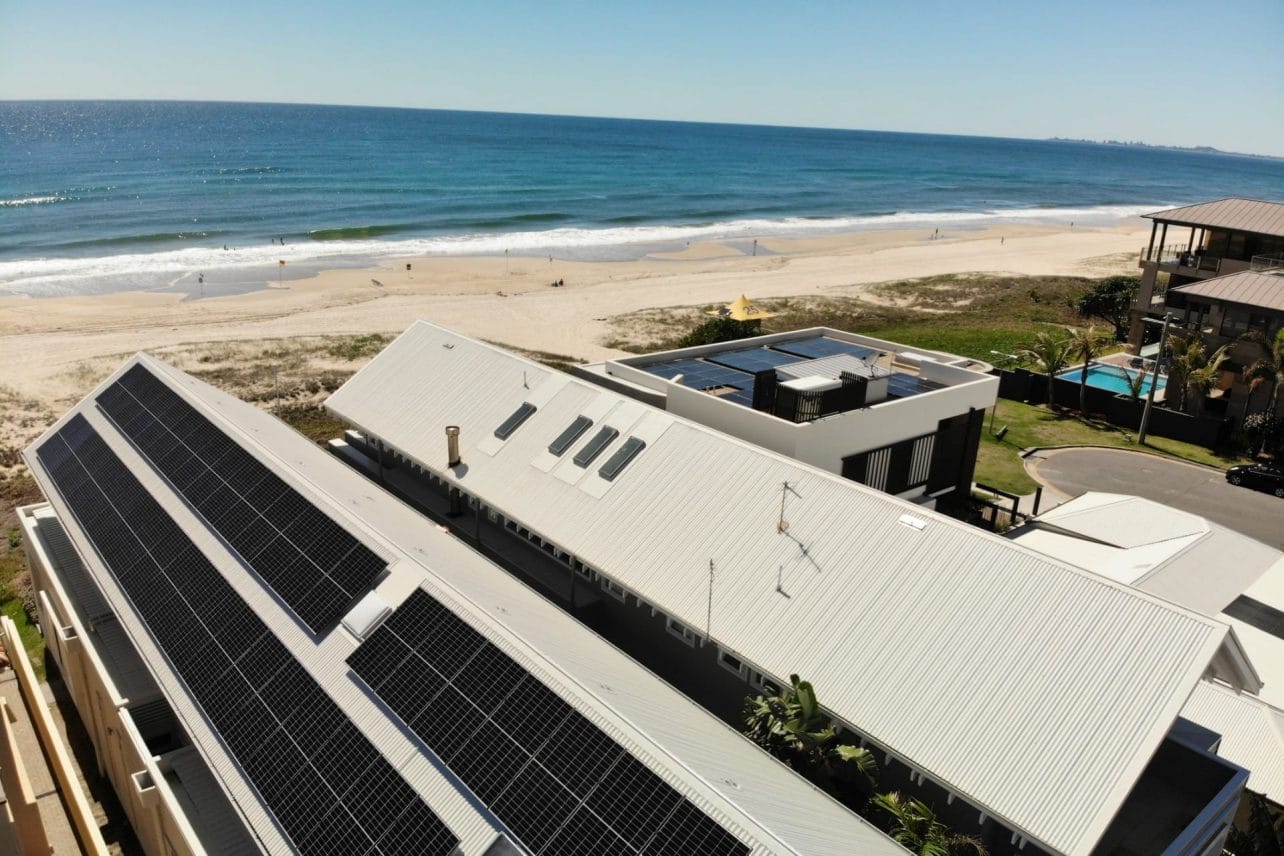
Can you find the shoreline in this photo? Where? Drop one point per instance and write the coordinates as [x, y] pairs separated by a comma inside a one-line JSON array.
[[58, 348]]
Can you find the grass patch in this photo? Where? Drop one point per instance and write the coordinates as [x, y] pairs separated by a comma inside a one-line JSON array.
[[15, 576], [999, 464], [313, 422]]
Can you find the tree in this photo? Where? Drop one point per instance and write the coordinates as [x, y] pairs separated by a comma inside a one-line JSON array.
[[1265, 833], [720, 330], [1085, 345], [1048, 353], [1267, 370], [1191, 368], [1110, 300], [914, 825], [791, 725]]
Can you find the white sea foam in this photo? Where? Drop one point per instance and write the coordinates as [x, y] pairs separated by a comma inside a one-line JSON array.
[[52, 276], [31, 200]]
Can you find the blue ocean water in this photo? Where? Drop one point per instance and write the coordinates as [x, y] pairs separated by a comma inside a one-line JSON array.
[[104, 195]]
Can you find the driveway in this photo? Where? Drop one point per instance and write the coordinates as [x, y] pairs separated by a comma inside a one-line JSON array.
[[1199, 490]]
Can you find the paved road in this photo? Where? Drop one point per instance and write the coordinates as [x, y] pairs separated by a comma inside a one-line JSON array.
[[1199, 490]]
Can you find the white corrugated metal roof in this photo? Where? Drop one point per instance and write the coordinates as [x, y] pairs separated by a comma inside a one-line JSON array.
[[743, 788], [1157, 548], [1260, 290], [1234, 213], [1252, 734], [984, 664]]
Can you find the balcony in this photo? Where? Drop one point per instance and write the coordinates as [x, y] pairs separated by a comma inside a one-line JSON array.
[[1196, 264]]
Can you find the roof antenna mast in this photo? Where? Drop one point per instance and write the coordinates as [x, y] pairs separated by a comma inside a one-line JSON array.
[[782, 525]]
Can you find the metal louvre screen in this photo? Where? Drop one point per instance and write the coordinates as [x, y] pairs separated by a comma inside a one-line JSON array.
[[315, 566], [330, 790], [556, 780], [921, 460], [876, 466]]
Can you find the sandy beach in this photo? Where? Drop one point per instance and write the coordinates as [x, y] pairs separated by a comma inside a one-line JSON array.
[[57, 348]]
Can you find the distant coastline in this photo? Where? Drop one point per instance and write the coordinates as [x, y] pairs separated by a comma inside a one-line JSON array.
[[1138, 144]]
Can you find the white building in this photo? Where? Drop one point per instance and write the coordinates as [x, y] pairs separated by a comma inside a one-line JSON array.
[[1029, 699], [904, 421], [273, 655]]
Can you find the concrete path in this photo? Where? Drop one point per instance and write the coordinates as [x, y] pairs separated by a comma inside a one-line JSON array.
[[1189, 487]]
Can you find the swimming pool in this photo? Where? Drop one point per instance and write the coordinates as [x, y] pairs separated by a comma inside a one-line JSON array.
[[1113, 378]]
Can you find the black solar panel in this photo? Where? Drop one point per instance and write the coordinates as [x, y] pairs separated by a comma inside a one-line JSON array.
[[558, 782], [697, 374], [905, 385], [752, 360], [1261, 615], [300, 751], [311, 562], [819, 347]]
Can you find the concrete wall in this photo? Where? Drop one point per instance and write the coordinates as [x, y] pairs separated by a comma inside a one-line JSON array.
[[123, 758]]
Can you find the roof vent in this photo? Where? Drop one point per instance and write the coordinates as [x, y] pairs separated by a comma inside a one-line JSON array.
[[912, 522], [452, 445]]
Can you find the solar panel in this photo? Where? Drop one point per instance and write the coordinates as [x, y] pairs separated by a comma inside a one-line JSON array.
[[905, 385], [294, 744], [617, 462], [558, 782], [311, 562], [697, 374], [1261, 615], [814, 349], [568, 437], [594, 447], [752, 360], [512, 423]]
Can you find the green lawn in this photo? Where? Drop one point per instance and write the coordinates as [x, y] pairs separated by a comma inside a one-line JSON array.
[[999, 463]]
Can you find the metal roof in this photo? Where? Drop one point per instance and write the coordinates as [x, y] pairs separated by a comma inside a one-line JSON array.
[[1235, 214], [1249, 288], [1252, 734], [742, 787], [1149, 545], [983, 664]]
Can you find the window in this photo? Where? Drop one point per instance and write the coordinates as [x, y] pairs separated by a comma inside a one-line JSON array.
[[614, 589], [568, 437], [512, 423], [680, 630], [731, 663], [617, 462], [595, 446]]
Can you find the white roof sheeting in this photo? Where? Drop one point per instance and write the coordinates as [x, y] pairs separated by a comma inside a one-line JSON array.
[[1036, 690], [1152, 546], [1252, 734], [751, 794]]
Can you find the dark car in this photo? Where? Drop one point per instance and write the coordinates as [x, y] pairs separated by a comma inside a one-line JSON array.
[[1259, 477]]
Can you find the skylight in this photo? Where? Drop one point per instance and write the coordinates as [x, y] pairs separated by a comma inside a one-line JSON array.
[[570, 435], [595, 446], [512, 423], [621, 458]]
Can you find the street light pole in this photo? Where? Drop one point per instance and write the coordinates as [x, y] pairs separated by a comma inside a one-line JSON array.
[[1154, 380]]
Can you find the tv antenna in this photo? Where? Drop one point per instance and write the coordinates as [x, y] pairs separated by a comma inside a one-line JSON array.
[[786, 488], [780, 582]]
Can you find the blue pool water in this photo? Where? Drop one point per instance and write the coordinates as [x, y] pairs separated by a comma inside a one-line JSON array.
[[1113, 378]]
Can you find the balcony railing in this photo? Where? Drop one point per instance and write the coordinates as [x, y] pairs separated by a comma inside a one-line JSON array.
[[1181, 258], [1261, 264]]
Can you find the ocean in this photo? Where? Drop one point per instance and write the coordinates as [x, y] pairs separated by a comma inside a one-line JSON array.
[[103, 196]]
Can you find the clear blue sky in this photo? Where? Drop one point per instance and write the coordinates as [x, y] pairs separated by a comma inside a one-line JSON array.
[[1177, 72]]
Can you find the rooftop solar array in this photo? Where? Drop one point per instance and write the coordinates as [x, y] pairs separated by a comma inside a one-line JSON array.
[[819, 347], [311, 562], [730, 374], [753, 360], [558, 782], [330, 790]]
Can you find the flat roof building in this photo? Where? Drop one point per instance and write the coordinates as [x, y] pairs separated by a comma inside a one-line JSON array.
[[903, 420], [981, 667], [274, 655]]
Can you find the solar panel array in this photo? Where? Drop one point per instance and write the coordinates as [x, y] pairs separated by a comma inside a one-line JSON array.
[[904, 385], [311, 562], [556, 780], [753, 360], [820, 347], [699, 374], [330, 790]]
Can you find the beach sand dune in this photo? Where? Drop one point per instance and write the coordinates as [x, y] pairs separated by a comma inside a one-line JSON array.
[[56, 349]]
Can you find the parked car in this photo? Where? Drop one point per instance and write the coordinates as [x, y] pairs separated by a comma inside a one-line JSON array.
[[1259, 477]]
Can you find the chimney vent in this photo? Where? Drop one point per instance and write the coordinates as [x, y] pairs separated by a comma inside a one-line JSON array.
[[452, 445]]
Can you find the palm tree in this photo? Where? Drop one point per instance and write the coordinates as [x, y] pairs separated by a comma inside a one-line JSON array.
[[1049, 355], [1268, 370], [1191, 368], [915, 827], [791, 725], [1086, 345], [1265, 833]]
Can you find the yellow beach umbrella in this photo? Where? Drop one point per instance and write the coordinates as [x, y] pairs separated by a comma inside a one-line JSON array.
[[742, 310]]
